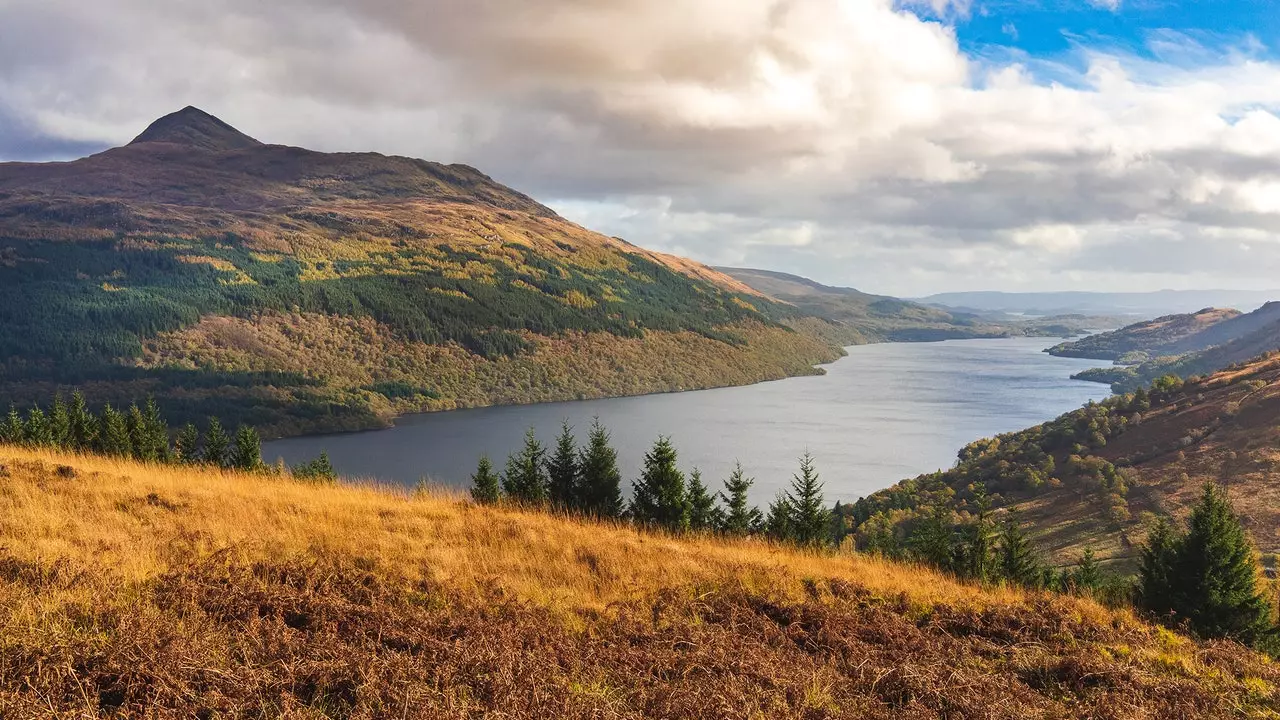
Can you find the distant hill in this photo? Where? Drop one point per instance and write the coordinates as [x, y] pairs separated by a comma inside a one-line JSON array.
[[1183, 345], [1093, 478], [304, 291], [1164, 302], [863, 317]]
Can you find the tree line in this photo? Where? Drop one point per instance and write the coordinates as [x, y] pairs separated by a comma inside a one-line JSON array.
[[586, 481], [141, 433]]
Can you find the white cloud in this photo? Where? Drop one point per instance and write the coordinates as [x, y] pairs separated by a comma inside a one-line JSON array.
[[849, 139]]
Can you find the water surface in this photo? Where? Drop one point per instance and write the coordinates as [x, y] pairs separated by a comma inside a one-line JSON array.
[[884, 413]]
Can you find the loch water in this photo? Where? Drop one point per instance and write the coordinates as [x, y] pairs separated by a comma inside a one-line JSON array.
[[883, 413]]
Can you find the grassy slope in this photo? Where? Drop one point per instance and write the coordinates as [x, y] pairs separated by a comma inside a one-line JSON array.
[[163, 592], [1223, 428]]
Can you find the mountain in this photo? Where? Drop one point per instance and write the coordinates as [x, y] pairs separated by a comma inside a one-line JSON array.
[[1095, 477], [1164, 302], [135, 590], [860, 317], [304, 291], [1182, 345]]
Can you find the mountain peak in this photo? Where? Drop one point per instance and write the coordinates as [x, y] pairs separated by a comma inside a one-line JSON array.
[[194, 127]]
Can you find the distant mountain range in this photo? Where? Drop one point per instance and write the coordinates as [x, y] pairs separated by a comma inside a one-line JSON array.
[[862, 317], [1151, 304]]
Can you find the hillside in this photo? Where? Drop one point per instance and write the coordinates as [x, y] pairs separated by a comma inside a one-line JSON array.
[[144, 591], [303, 291], [859, 317], [1168, 335], [1184, 345], [1095, 477]]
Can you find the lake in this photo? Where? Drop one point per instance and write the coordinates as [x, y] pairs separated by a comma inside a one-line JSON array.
[[884, 413]]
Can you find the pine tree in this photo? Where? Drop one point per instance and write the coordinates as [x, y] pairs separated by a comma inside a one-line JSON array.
[[1087, 577], [600, 490], [1019, 562], [810, 520], [113, 433], [84, 426], [60, 423], [739, 518], [216, 444], [777, 523], [659, 498], [933, 539], [155, 431], [321, 468], [1215, 574], [703, 513], [525, 480], [979, 547], [485, 484], [13, 431], [246, 454], [562, 471], [39, 430], [137, 426], [186, 447], [1157, 567]]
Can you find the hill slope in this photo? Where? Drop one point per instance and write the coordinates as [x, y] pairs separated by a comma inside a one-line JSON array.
[[304, 291], [1095, 477], [141, 591], [1182, 345]]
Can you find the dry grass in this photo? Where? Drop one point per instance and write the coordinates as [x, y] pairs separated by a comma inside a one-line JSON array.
[[141, 591]]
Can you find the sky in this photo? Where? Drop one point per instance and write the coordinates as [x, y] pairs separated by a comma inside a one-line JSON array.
[[899, 146]]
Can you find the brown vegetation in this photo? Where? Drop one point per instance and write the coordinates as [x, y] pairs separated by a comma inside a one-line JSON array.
[[143, 591]]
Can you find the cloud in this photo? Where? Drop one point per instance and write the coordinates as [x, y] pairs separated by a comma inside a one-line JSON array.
[[852, 140]]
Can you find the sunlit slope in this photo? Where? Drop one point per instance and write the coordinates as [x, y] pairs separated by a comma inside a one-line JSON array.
[[140, 591]]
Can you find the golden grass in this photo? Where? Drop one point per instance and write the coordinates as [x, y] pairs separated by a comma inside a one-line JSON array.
[[132, 517]]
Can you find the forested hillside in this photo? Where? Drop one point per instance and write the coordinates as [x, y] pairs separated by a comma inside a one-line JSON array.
[[1096, 478], [298, 291]]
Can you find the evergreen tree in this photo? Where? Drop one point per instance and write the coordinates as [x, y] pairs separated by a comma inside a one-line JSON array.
[[933, 540], [60, 423], [703, 513], [1019, 562], [1157, 567], [84, 426], [113, 433], [216, 444], [39, 430], [525, 481], [246, 454], [1215, 574], [155, 432], [777, 523], [485, 488], [1087, 577], [13, 431], [562, 471], [600, 489], [738, 518], [320, 468], [810, 520], [979, 550], [186, 447], [660, 499], [138, 441]]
